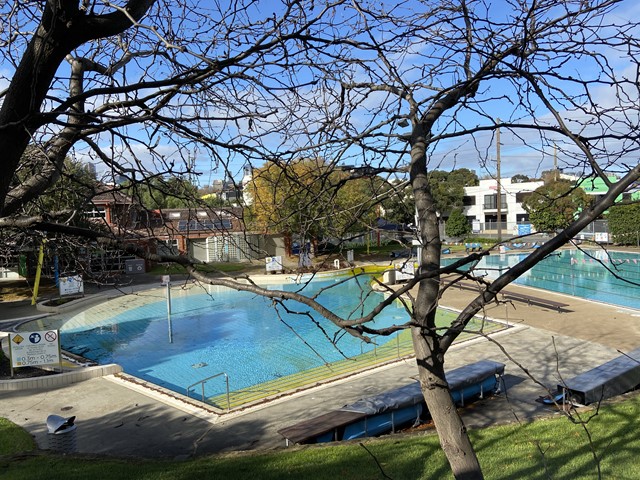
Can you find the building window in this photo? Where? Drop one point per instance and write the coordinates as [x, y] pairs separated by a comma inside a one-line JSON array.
[[168, 247], [195, 225], [97, 212], [469, 200], [491, 201], [493, 219]]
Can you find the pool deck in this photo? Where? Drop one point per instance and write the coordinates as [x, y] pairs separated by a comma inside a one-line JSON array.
[[118, 418]]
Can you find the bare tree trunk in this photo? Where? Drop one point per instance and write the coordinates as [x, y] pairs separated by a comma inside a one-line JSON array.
[[426, 339], [453, 435], [63, 27]]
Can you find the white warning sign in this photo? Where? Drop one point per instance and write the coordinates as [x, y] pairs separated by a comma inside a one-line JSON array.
[[30, 349]]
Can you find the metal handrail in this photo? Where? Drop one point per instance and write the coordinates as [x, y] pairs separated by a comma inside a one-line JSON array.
[[202, 382]]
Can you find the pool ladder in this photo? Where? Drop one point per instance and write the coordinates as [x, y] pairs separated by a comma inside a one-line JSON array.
[[202, 382]]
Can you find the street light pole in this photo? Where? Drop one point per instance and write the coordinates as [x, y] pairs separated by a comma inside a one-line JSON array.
[[499, 193]]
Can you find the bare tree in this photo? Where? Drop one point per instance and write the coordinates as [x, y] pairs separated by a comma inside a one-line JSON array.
[[142, 86], [556, 73], [143, 91]]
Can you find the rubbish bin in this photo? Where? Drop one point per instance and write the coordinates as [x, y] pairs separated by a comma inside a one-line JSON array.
[[134, 266], [62, 433]]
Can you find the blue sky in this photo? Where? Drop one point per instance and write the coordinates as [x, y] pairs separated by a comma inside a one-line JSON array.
[[517, 157]]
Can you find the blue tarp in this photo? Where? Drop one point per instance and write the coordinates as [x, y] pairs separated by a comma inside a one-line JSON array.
[[408, 395]]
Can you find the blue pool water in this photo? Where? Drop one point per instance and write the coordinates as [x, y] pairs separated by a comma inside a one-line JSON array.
[[577, 273], [219, 330]]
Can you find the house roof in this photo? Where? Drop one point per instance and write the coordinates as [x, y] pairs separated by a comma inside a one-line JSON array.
[[115, 197]]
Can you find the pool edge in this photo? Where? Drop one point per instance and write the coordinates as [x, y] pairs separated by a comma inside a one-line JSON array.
[[60, 379]]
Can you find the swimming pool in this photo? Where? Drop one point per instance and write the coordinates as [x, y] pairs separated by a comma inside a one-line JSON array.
[[216, 330], [577, 273]]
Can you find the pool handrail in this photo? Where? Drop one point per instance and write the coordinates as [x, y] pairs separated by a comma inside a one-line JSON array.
[[205, 380]]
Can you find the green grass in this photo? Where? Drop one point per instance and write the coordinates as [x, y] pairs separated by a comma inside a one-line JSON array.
[[553, 448], [14, 439]]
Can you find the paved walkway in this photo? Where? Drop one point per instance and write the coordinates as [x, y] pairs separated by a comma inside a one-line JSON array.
[[117, 418]]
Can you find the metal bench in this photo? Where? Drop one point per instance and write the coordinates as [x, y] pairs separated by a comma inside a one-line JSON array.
[[531, 300], [520, 297]]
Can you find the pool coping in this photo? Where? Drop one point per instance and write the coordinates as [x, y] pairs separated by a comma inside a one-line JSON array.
[[60, 379], [76, 303]]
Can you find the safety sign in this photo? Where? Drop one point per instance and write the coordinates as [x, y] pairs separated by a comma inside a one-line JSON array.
[[30, 349]]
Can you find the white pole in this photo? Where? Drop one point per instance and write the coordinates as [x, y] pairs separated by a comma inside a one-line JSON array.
[[169, 311], [499, 195]]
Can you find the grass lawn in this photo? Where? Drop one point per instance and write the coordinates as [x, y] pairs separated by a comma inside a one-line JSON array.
[[553, 448], [14, 439]]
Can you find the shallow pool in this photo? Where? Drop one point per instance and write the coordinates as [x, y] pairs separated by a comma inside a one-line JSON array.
[[587, 274], [218, 330]]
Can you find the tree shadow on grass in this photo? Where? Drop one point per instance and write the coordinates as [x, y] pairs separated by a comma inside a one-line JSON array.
[[560, 449]]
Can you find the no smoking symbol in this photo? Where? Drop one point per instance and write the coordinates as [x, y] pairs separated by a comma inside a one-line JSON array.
[[50, 336]]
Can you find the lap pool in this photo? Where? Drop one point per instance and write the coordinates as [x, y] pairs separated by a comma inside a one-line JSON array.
[[216, 330], [586, 274]]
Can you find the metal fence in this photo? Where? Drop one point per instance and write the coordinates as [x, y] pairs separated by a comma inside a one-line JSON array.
[[597, 230]]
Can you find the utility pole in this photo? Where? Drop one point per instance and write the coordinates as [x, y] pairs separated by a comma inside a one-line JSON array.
[[499, 189], [555, 162]]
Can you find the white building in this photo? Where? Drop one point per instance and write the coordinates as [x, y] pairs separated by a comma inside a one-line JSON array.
[[246, 180], [481, 205]]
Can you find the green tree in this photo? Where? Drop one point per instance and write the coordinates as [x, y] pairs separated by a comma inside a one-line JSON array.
[[464, 176], [520, 178], [447, 188], [355, 208], [555, 205], [398, 204], [624, 223], [293, 200], [73, 192], [457, 225], [311, 199], [171, 192]]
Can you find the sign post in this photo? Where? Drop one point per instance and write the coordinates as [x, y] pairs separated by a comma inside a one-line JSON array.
[[273, 264], [70, 285], [31, 349], [167, 279]]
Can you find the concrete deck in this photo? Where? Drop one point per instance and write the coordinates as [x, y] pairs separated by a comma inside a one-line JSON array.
[[121, 419]]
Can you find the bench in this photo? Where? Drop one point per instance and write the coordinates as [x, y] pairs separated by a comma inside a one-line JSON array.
[[531, 300], [468, 286], [520, 297], [615, 377], [472, 247]]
